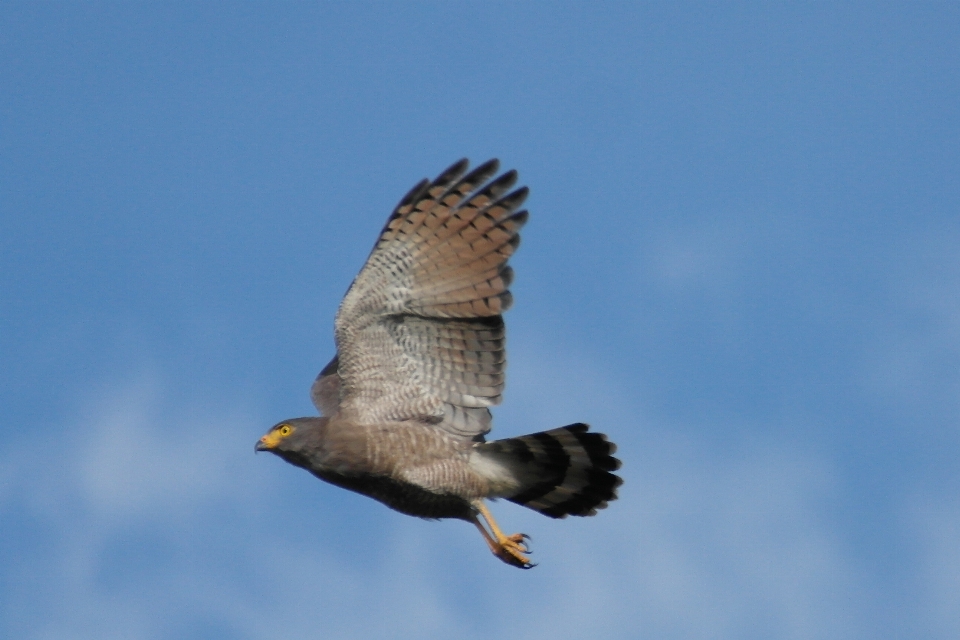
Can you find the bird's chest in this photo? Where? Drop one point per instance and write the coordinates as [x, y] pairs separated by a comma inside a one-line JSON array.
[[411, 468], [390, 449]]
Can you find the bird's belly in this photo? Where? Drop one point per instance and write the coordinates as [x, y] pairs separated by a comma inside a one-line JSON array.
[[402, 496]]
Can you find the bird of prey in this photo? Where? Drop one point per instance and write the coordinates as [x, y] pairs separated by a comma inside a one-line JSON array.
[[405, 402]]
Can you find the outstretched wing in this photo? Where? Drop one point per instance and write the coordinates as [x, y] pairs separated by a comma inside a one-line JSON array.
[[419, 333]]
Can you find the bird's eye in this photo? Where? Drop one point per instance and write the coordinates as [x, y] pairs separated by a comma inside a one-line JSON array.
[[285, 430]]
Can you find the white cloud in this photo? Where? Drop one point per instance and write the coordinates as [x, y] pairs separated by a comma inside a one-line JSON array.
[[700, 544], [158, 522], [936, 525], [914, 348], [706, 258], [741, 547], [132, 461]]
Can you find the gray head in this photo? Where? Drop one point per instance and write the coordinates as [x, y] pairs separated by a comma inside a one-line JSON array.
[[294, 440]]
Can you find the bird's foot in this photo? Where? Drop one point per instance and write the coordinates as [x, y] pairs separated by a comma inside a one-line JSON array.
[[511, 549]]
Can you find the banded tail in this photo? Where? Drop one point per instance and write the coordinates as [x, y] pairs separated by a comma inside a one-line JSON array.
[[565, 471]]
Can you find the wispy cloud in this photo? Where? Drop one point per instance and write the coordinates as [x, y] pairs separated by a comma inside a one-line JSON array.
[[701, 543], [936, 525], [742, 545], [158, 522], [914, 351]]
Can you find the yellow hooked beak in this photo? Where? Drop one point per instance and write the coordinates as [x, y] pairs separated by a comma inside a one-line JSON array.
[[274, 436], [267, 442]]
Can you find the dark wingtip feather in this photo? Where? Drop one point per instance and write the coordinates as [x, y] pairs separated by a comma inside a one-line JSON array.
[[491, 166], [413, 195], [499, 185], [452, 173], [506, 180], [506, 301], [481, 174], [515, 198], [506, 274]]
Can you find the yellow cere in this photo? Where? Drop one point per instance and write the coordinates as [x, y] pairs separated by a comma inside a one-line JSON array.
[[273, 438]]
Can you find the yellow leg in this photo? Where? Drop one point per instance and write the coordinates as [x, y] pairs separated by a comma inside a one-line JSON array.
[[510, 549]]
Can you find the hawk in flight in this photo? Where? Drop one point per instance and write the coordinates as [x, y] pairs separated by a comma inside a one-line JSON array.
[[405, 402]]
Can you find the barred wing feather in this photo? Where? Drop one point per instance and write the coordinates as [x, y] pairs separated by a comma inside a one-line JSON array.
[[420, 332]]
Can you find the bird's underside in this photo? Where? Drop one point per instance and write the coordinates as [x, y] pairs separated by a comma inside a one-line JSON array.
[[420, 359]]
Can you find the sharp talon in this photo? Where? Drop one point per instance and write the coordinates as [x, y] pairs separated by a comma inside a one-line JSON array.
[[508, 548]]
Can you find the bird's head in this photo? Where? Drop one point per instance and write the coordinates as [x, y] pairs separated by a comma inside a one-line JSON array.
[[295, 437]]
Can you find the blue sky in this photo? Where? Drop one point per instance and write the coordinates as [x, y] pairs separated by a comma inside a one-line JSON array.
[[742, 263]]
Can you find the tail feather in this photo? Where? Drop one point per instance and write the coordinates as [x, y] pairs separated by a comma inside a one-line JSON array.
[[565, 471]]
